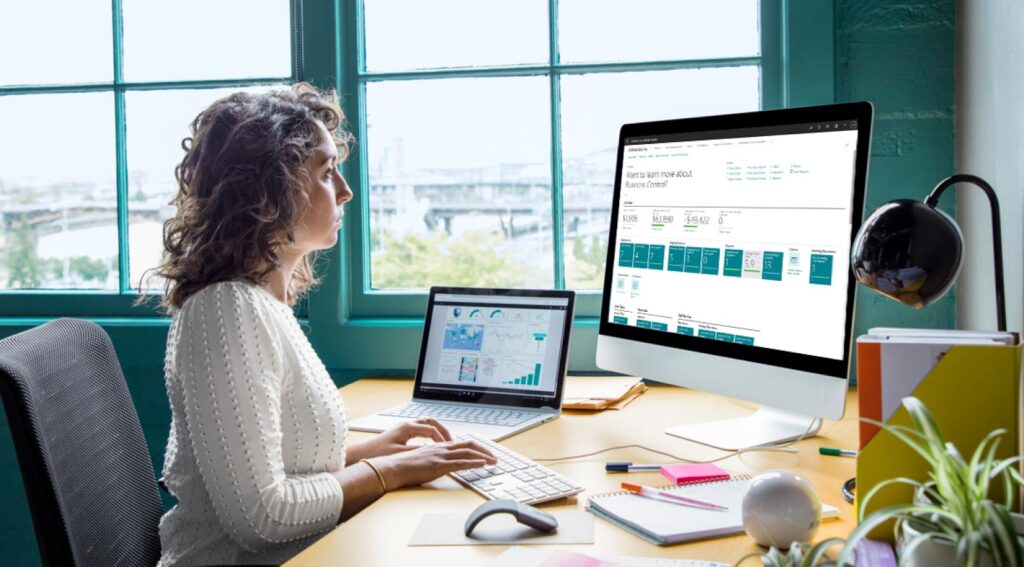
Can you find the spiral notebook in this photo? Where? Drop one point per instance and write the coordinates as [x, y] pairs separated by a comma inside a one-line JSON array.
[[664, 523]]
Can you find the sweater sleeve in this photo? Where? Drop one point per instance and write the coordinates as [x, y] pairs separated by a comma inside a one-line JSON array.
[[231, 370]]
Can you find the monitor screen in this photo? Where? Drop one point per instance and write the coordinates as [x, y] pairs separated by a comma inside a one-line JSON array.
[[732, 237], [495, 344]]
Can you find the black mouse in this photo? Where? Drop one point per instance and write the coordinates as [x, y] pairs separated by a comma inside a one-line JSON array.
[[523, 513]]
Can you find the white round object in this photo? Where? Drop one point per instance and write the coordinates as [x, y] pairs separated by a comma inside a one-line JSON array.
[[781, 507]]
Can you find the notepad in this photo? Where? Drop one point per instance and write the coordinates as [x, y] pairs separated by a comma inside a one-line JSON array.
[[664, 523]]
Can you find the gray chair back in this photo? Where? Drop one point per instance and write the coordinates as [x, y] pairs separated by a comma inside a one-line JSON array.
[[83, 459]]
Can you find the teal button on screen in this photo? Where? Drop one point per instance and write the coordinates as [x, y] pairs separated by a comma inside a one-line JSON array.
[[626, 255], [656, 257], [692, 259], [772, 266], [640, 253], [709, 261], [676, 258], [733, 265], [821, 269]]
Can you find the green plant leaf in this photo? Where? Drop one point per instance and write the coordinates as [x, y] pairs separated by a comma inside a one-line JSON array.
[[878, 487], [818, 552], [1004, 541], [911, 438], [878, 518], [923, 421]]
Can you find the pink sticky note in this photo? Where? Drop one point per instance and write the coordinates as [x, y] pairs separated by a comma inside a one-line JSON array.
[[570, 559], [685, 474]]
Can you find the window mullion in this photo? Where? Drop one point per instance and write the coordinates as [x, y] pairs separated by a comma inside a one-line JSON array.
[[124, 285], [557, 243], [362, 263]]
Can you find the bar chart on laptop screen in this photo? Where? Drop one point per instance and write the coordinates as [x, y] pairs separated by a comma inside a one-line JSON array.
[[495, 347]]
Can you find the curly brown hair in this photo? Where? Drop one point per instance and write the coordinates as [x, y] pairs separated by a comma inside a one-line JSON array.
[[241, 189]]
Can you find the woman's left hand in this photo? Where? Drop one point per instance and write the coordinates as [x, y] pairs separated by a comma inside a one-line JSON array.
[[396, 439]]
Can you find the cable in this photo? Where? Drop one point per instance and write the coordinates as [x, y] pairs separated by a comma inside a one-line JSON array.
[[782, 448], [848, 488]]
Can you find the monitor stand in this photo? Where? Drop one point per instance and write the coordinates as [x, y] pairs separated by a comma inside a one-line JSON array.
[[766, 426]]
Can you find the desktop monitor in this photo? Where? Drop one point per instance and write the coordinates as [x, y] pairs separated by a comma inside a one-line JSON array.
[[728, 261]]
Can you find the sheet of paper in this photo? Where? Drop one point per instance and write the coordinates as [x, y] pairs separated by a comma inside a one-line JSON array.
[[574, 527], [597, 388], [525, 557]]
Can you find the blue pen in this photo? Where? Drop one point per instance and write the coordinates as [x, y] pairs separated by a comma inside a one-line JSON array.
[[627, 466]]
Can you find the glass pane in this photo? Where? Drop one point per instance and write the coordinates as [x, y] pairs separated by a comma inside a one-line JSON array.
[[413, 34], [460, 182], [157, 121], [58, 192], [594, 108], [175, 40], [656, 30], [46, 44]]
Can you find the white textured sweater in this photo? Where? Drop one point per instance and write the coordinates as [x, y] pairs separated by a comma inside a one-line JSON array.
[[256, 427]]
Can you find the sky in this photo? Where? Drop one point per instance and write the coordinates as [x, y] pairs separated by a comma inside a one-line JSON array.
[[435, 123], [443, 123]]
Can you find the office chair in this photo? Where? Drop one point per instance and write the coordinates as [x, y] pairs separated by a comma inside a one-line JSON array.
[[83, 459]]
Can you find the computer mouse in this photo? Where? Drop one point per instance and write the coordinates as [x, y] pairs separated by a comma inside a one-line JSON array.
[[523, 513]]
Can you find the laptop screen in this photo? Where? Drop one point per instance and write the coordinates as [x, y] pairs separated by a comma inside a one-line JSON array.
[[502, 345]]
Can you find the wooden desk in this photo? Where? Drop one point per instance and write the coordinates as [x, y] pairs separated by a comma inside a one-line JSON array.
[[379, 534]]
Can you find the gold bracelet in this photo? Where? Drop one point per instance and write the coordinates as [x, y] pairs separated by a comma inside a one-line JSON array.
[[374, 468]]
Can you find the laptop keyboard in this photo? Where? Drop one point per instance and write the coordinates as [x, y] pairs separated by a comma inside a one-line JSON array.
[[466, 414], [514, 477]]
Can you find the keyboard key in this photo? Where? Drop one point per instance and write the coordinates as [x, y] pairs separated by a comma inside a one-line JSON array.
[[515, 477]]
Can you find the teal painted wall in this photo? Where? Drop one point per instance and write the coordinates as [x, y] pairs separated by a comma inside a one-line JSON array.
[[898, 56]]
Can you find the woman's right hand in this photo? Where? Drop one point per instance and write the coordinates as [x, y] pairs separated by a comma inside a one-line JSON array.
[[426, 463]]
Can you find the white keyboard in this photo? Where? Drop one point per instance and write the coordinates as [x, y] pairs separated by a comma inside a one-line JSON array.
[[514, 477], [466, 414]]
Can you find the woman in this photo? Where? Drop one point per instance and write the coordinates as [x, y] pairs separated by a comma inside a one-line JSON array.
[[257, 455]]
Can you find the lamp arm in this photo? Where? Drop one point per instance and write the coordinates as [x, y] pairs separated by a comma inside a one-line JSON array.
[[997, 241]]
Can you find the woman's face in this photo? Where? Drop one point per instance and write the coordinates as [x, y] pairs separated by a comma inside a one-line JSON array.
[[328, 192]]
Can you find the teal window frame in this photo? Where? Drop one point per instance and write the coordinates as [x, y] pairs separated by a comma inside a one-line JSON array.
[[45, 303], [355, 329]]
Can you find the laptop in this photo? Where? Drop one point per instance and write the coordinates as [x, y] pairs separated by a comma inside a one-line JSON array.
[[492, 362]]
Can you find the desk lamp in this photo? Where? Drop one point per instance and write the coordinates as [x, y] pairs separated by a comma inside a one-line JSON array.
[[912, 252]]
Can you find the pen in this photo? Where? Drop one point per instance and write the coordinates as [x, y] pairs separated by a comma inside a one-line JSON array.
[[626, 466], [674, 498], [831, 451]]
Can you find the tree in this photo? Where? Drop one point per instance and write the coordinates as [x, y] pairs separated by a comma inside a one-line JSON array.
[[422, 261], [89, 268], [586, 271], [24, 268]]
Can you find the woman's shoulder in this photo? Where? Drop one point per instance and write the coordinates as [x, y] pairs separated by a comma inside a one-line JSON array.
[[240, 296]]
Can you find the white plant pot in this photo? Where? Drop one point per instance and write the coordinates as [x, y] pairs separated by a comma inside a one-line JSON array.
[[940, 553]]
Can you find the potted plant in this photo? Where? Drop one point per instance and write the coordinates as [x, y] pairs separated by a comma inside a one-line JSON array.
[[798, 555], [952, 519]]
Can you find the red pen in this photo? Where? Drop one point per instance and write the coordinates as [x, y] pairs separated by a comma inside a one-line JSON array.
[[674, 498]]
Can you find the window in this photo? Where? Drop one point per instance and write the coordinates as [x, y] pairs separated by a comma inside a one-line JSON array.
[[485, 136], [489, 148], [91, 141]]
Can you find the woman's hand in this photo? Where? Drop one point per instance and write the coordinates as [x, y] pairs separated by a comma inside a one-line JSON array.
[[396, 439], [423, 464]]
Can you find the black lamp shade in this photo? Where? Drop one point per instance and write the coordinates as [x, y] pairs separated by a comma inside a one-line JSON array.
[[908, 251]]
